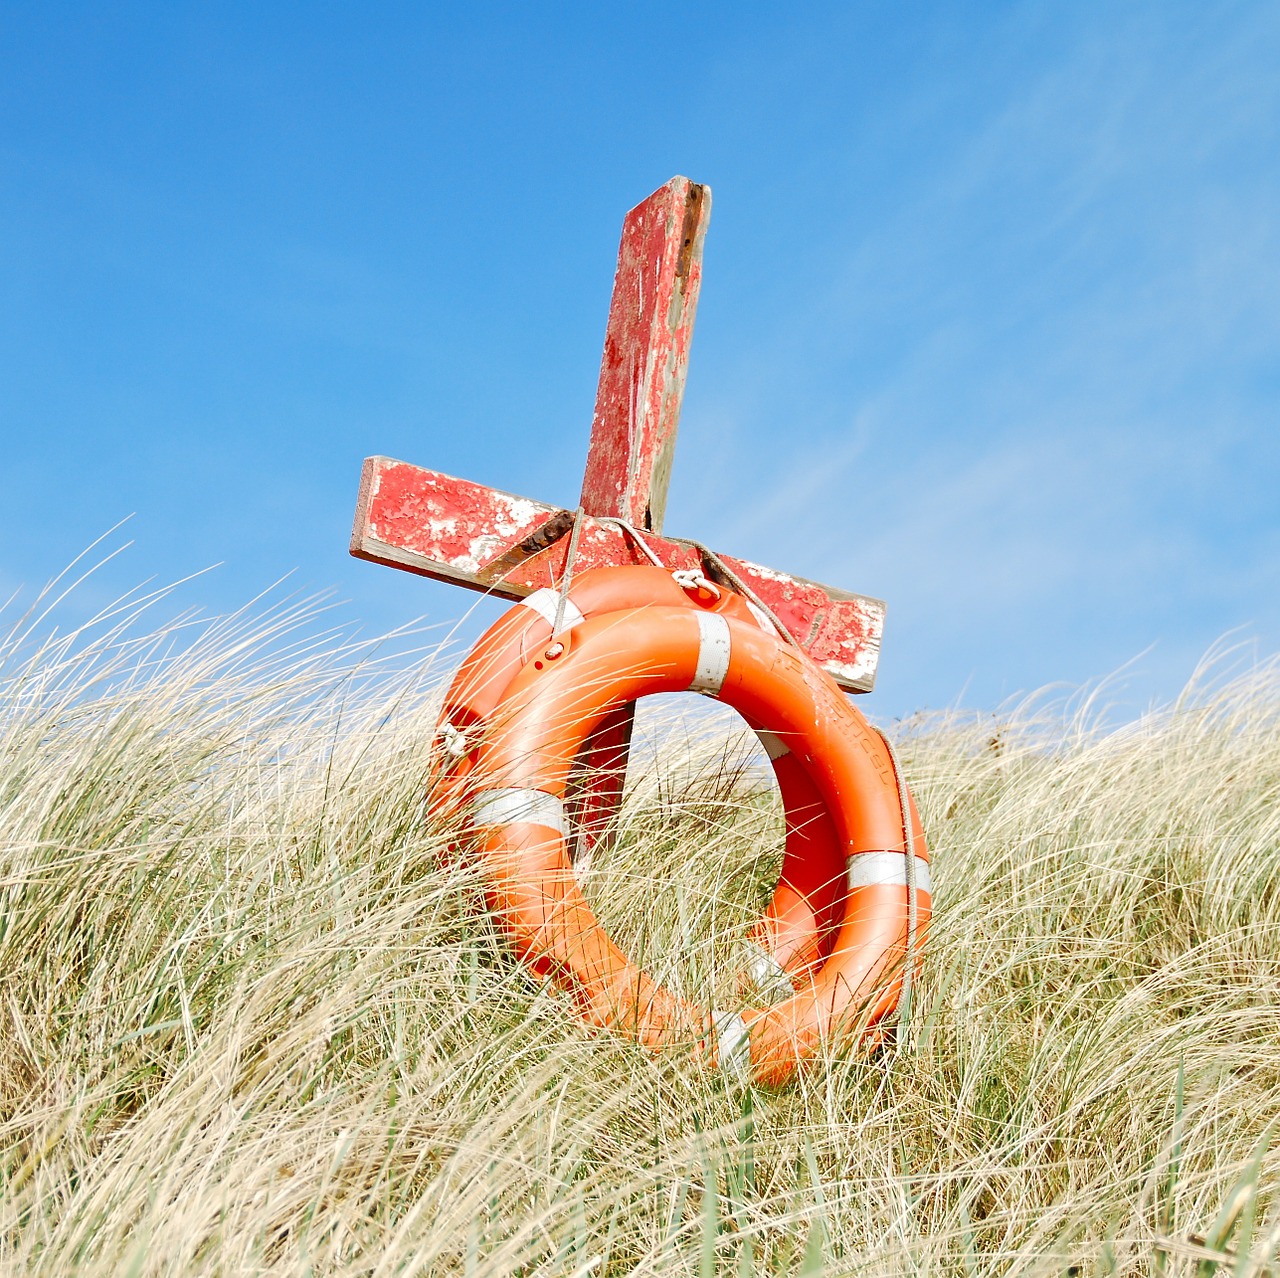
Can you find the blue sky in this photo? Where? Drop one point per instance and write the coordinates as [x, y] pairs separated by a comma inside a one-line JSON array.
[[989, 321]]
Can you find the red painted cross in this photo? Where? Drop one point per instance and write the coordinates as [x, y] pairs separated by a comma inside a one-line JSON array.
[[455, 530]]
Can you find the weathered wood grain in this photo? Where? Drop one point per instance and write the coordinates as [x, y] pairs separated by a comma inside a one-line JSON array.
[[646, 355]]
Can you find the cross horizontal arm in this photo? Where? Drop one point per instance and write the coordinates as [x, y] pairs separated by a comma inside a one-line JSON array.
[[458, 531]]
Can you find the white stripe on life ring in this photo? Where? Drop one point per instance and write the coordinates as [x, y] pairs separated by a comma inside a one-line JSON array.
[[762, 618], [888, 869], [714, 647], [545, 602], [766, 973], [733, 1044], [536, 807]]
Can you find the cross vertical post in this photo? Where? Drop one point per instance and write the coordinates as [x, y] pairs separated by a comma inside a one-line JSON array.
[[633, 430], [646, 355]]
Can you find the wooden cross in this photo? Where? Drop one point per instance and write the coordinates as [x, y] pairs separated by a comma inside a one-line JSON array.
[[508, 546]]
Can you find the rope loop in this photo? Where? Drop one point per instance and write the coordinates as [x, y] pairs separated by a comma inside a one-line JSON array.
[[636, 535], [567, 579], [453, 739], [708, 556], [692, 579]]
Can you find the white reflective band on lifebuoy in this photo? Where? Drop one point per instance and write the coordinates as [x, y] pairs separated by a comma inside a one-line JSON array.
[[762, 617], [733, 1043], [545, 602], [774, 746], [503, 807], [766, 973], [713, 653], [870, 869]]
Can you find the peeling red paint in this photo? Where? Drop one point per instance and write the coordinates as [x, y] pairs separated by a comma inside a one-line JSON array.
[[646, 354], [459, 531]]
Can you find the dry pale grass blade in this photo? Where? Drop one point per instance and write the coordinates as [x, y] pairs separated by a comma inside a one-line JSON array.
[[257, 1020]]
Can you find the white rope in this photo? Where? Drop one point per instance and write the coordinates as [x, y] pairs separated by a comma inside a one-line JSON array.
[[721, 567], [635, 533], [567, 579], [913, 918], [743, 589]]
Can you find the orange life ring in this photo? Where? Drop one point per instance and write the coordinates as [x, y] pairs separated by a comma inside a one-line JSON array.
[[521, 770], [799, 924]]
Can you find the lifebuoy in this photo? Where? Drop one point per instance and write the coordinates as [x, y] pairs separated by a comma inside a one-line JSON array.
[[799, 924], [521, 768]]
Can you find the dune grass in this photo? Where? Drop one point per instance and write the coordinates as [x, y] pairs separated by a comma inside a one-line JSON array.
[[254, 1022]]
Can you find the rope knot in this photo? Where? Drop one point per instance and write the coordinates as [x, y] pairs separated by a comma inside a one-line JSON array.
[[453, 739], [691, 579]]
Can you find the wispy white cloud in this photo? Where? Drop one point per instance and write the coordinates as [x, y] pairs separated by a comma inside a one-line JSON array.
[[1068, 450]]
